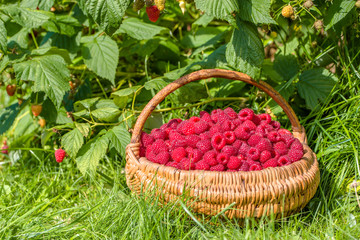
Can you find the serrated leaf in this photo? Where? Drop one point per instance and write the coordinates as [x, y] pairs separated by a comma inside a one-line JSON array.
[[85, 104], [106, 114], [315, 85], [126, 91], [219, 9], [20, 39], [63, 24], [245, 50], [91, 153], [106, 13], [139, 30], [70, 44], [84, 128], [27, 17], [72, 142], [119, 138], [52, 51], [101, 56], [338, 10], [256, 11], [287, 66], [157, 84], [49, 73], [204, 20], [203, 36], [216, 59], [3, 37], [7, 117], [46, 4]]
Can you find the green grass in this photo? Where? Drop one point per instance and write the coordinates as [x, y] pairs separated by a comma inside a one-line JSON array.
[[41, 199]]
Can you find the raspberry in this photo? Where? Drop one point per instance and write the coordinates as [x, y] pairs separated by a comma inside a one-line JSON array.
[[265, 118], [244, 149], [229, 137], [10, 89], [274, 136], [218, 141], [4, 149], [174, 135], [256, 120], [192, 140], [237, 144], [205, 135], [202, 165], [42, 122], [287, 139], [160, 4], [173, 123], [178, 143], [187, 164], [158, 134], [215, 129], [249, 124], [270, 163], [295, 155], [36, 109], [162, 158], [234, 163], [229, 150], [296, 145], [246, 114], [210, 158], [283, 161], [260, 130], [253, 154], [218, 168], [275, 124], [153, 13], [195, 155], [205, 116], [284, 131], [204, 145], [187, 128], [149, 154], [237, 122], [142, 151], [241, 157], [194, 119], [201, 127], [244, 166], [172, 164], [264, 156], [264, 145], [242, 132], [227, 125], [287, 11], [230, 113], [255, 167], [281, 148], [163, 127], [222, 158], [268, 128], [214, 115], [178, 153], [254, 140], [159, 146], [60, 155]]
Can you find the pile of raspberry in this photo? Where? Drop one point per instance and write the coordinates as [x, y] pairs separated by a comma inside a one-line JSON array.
[[222, 141]]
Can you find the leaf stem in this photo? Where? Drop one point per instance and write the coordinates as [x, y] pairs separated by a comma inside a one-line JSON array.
[[33, 38], [102, 89], [34, 149]]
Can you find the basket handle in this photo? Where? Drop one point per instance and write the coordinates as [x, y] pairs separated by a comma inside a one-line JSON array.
[[213, 73]]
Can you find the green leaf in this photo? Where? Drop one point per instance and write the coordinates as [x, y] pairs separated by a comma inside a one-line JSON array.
[[157, 84], [219, 9], [245, 50], [139, 30], [216, 59], [202, 37], [49, 73], [3, 37], [121, 97], [315, 85], [101, 55], [119, 138], [85, 104], [26, 17], [84, 128], [7, 117], [338, 10], [52, 51], [106, 13], [256, 11], [106, 114], [287, 66], [91, 153], [204, 20], [20, 39], [72, 142], [63, 24]]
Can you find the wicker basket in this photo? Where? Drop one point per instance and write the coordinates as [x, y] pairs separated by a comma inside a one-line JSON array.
[[280, 191]]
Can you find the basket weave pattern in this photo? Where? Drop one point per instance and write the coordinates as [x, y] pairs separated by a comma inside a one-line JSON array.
[[281, 190]]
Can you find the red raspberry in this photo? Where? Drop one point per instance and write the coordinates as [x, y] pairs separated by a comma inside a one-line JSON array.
[[172, 164], [227, 125], [281, 148], [244, 166], [229, 150], [287, 139], [246, 114], [256, 120], [274, 136], [260, 130], [275, 124], [265, 118], [244, 149], [146, 139], [153, 13], [253, 154], [232, 170], [142, 152], [284, 131], [205, 116], [204, 145], [173, 123], [214, 115], [222, 158], [295, 155], [218, 168], [296, 145], [178, 143], [163, 127], [237, 144], [187, 128], [210, 158], [215, 129], [218, 141], [254, 140], [201, 127], [270, 163], [283, 160], [242, 132], [192, 140], [255, 167], [264, 145], [264, 156], [230, 113], [202, 165], [234, 162], [187, 164], [159, 146], [174, 135], [249, 124], [229, 137], [194, 119], [178, 153], [158, 134], [60, 155], [162, 158], [149, 154], [4, 149], [205, 135], [195, 155]]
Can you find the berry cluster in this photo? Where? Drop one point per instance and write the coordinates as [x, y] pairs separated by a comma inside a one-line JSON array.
[[222, 141]]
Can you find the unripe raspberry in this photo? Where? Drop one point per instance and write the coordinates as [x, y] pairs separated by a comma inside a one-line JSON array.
[[153, 13], [308, 4], [318, 25], [36, 109], [10, 89], [138, 4], [357, 4], [60, 155], [4, 149], [42, 122], [160, 4], [287, 11]]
